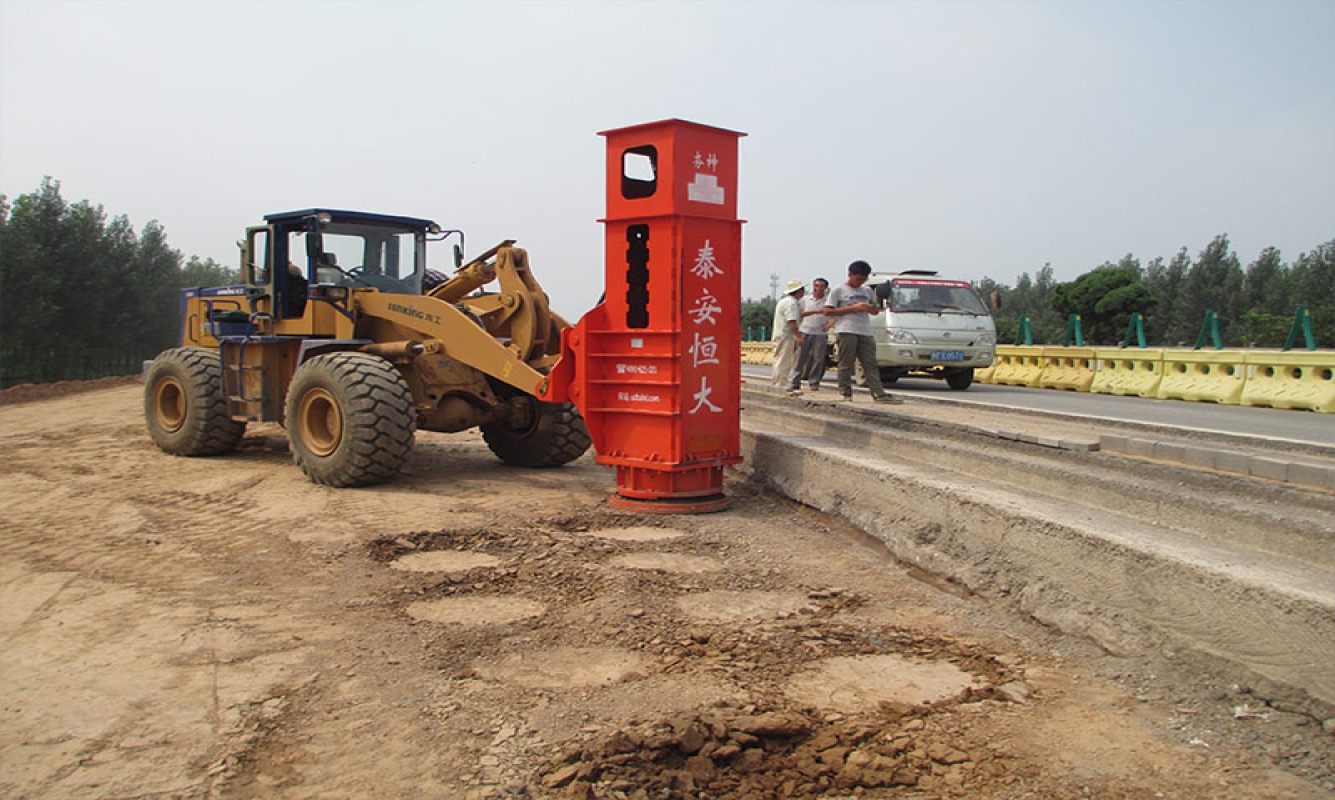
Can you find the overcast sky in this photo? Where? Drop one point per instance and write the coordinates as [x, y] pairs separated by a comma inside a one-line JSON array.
[[976, 138]]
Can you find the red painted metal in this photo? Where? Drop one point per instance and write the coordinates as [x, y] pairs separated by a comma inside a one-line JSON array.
[[656, 367]]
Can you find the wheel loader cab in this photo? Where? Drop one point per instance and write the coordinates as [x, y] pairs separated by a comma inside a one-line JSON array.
[[300, 268]]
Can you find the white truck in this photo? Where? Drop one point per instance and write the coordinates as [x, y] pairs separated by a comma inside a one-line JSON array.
[[931, 327]]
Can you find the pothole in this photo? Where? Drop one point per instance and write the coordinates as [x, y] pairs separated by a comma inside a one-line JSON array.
[[860, 683], [639, 533], [730, 606], [667, 562], [564, 667], [444, 561], [488, 610]]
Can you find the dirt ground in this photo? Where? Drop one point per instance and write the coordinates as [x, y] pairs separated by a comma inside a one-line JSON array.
[[183, 628]]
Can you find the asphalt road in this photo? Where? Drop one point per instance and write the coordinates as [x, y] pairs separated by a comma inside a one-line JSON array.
[[1298, 426]]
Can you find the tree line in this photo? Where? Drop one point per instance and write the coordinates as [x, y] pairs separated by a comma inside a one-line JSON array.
[[81, 294], [1255, 306]]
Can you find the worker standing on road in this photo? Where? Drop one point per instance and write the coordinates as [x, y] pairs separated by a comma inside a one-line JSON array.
[[814, 327], [851, 305], [787, 338]]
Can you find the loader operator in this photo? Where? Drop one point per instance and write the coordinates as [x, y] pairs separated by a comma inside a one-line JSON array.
[[294, 302]]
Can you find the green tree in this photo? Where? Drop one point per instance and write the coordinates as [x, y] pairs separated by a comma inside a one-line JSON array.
[[1168, 325], [757, 317], [1313, 286], [1265, 282], [1214, 283], [207, 273], [1032, 298], [1105, 298], [81, 296]]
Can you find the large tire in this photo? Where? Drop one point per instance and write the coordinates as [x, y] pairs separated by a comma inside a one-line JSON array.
[[185, 407], [554, 436], [959, 379], [349, 419]]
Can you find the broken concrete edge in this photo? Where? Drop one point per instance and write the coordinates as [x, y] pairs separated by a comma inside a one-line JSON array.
[[1273, 467], [1128, 600]]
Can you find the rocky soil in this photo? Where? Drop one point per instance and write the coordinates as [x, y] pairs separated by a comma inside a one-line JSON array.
[[223, 628]]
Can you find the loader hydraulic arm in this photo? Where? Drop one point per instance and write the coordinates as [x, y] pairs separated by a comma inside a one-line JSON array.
[[519, 313]]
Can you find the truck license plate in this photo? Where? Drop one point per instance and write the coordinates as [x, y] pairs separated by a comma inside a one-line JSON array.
[[947, 355]]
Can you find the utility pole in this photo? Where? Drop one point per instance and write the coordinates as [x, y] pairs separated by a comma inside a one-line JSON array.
[[774, 286]]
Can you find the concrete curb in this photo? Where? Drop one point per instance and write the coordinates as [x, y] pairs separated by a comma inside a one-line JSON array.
[[1271, 467], [1156, 442]]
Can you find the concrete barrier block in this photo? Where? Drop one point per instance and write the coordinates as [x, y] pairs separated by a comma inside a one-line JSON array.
[[1229, 461], [1114, 443], [1320, 477], [1303, 380], [1017, 365], [1271, 468], [1169, 451], [1068, 368], [1127, 371], [1199, 456], [1143, 448], [1211, 376]]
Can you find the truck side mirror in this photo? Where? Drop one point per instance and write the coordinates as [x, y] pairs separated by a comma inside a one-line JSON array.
[[883, 291]]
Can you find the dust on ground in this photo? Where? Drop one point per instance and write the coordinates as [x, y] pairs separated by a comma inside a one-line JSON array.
[[223, 628]]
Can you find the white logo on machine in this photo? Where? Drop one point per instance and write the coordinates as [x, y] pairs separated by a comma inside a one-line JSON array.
[[704, 187]]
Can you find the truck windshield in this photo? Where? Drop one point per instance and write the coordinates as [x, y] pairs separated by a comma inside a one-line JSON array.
[[935, 297]]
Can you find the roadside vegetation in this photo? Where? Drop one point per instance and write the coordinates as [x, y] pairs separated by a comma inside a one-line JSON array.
[[1255, 305], [83, 296]]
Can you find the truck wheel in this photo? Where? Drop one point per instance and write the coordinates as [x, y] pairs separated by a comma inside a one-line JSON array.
[[889, 375], [959, 379], [349, 419], [185, 407], [554, 436]]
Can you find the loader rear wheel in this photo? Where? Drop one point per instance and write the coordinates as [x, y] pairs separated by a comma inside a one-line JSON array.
[[185, 406], [349, 419], [554, 435]]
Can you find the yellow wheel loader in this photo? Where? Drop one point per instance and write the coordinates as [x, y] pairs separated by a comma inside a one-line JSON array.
[[340, 332]]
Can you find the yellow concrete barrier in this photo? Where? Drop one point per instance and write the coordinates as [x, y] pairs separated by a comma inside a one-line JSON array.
[[1068, 368], [757, 352], [1128, 371], [1290, 380], [1211, 376], [1017, 365]]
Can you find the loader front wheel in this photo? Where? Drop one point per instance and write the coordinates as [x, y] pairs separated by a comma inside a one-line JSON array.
[[552, 434], [185, 407], [349, 420]]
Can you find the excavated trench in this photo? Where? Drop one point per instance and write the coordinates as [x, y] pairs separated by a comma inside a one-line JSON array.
[[1230, 571]]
